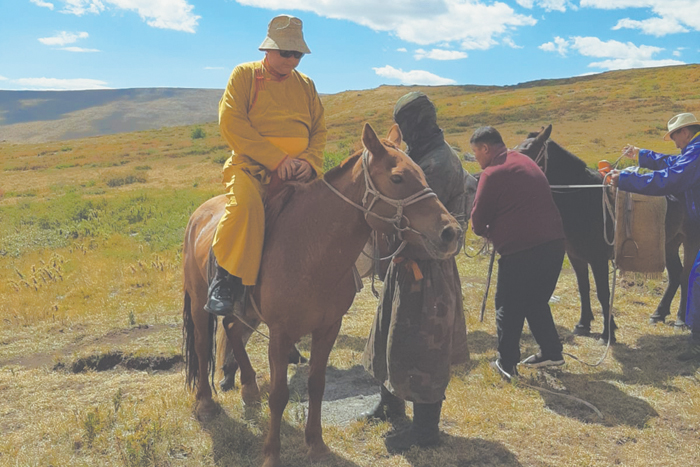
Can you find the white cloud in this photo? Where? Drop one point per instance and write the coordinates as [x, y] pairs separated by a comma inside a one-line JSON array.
[[56, 84], [163, 14], [548, 5], [2, 78], [412, 77], [439, 54], [63, 38], [681, 12], [559, 45], [627, 63], [594, 47], [676, 53], [470, 23], [402, 49], [511, 43], [42, 4], [78, 49], [618, 55], [653, 26]]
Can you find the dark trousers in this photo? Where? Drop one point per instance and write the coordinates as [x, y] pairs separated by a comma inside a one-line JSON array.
[[526, 281]]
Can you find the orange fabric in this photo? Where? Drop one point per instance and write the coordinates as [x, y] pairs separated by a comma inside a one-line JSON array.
[[410, 265]]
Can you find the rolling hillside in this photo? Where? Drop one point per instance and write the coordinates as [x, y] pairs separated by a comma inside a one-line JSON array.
[[41, 116]]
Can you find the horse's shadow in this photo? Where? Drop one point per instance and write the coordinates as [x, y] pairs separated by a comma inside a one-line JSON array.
[[653, 361], [235, 442], [463, 452]]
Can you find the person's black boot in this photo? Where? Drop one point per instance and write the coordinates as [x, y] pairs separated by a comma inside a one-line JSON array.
[[424, 431], [224, 290], [389, 408]]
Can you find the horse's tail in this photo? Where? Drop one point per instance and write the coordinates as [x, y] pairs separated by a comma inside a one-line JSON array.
[[189, 351]]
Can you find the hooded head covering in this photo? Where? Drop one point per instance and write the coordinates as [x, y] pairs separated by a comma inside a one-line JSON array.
[[417, 119]]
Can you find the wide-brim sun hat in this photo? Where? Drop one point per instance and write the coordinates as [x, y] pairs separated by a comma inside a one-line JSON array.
[[680, 121], [285, 33]]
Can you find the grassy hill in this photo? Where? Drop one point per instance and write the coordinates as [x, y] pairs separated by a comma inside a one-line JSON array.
[[40, 116], [91, 298]]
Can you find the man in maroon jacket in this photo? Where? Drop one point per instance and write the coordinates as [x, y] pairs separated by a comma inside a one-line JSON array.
[[514, 209]]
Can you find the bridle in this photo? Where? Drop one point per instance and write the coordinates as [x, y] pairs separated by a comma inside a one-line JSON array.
[[541, 159], [366, 206]]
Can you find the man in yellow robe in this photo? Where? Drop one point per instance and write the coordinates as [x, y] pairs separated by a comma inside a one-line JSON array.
[[272, 118]]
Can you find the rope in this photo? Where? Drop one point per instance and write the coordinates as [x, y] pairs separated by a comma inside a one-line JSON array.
[[587, 404]]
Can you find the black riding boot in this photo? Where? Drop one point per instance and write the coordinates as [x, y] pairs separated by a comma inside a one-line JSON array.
[[389, 408], [424, 431], [224, 290]]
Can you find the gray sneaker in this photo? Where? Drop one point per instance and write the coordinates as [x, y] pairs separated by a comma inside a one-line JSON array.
[[540, 361], [506, 373]]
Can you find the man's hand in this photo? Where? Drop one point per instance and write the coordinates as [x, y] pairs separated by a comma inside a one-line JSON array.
[[612, 178], [287, 169], [303, 170], [630, 151]]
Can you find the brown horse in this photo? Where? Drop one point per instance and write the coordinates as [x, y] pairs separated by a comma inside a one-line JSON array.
[[306, 281]]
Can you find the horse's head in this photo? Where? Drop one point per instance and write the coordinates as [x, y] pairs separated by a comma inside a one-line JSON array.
[[400, 200], [535, 146]]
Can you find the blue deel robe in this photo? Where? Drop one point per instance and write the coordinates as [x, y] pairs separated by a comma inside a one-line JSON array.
[[674, 174]]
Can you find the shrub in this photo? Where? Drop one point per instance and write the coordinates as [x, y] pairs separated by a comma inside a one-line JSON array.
[[198, 133]]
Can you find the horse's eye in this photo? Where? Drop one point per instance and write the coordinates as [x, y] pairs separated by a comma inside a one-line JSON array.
[[396, 178]]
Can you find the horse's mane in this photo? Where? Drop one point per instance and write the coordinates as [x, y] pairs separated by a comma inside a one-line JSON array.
[[570, 160]]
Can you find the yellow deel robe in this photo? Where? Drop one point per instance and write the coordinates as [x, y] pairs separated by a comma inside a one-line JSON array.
[[263, 123]]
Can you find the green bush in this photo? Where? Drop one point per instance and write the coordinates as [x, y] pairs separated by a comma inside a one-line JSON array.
[[198, 133]]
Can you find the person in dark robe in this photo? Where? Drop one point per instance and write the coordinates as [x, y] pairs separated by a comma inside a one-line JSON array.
[[420, 329]]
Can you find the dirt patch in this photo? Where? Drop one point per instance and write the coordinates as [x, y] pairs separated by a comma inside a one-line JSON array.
[[113, 338], [348, 393], [109, 360]]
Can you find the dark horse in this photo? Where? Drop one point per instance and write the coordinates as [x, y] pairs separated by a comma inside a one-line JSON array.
[[306, 281], [582, 215]]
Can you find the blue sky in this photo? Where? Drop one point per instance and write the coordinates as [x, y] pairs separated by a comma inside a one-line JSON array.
[[356, 44]]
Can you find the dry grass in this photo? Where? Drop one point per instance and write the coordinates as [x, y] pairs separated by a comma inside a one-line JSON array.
[[90, 307]]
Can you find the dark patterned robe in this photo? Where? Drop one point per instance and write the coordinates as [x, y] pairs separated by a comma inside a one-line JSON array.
[[420, 328]]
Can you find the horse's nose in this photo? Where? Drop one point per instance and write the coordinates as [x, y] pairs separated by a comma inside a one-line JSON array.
[[449, 234]]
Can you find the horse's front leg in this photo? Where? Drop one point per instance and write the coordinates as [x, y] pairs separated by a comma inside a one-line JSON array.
[[278, 352], [322, 341], [237, 336], [583, 327], [601, 277]]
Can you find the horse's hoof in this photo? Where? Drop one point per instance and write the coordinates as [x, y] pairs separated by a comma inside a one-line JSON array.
[[318, 452], [295, 357], [679, 324], [227, 383], [207, 410], [582, 330], [250, 393], [657, 318]]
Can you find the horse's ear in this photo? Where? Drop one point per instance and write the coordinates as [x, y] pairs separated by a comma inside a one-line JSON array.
[[371, 141], [544, 134], [395, 135]]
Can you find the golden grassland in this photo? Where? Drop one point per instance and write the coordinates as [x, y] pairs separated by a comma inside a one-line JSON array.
[[90, 304]]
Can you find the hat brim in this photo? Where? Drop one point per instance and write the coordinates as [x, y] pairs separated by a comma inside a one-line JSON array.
[[667, 136], [293, 45]]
